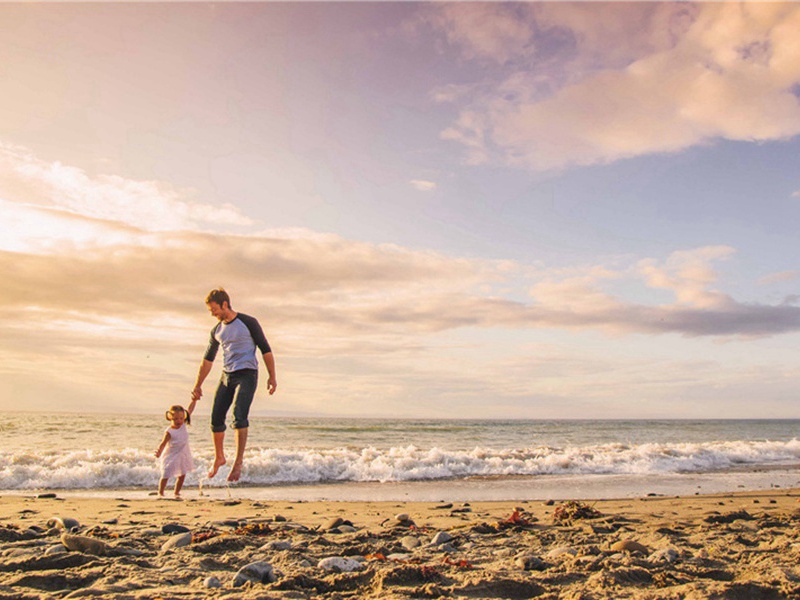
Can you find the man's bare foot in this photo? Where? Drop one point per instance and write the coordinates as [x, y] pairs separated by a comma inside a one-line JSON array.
[[218, 462], [236, 472]]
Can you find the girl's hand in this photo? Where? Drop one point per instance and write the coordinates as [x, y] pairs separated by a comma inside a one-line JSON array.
[[158, 453]]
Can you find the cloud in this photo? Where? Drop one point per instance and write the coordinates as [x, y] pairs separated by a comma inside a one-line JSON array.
[[782, 277], [341, 289], [147, 205], [423, 185], [681, 76]]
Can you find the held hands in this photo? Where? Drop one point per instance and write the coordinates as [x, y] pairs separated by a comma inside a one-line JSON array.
[[197, 393]]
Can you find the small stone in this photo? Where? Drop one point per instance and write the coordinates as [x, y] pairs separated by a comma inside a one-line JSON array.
[[226, 523], [279, 519], [397, 557], [402, 517], [340, 563], [446, 547], [45, 495], [441, 538], [57, 549], [277, 545], [177, 541], [110, 521], [80, 543], [410, 542], [257, 572], [529, 562], [444, 506], [550, 503], [628, 546], [212, 582], [346, 529], [333, 523], [561, 551], [665, 555], [171, 528], [67, 523]]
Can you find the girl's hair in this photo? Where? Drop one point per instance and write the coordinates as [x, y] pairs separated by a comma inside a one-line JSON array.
[[176, 408]]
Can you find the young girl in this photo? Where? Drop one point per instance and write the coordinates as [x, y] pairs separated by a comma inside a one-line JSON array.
[[177, 461]]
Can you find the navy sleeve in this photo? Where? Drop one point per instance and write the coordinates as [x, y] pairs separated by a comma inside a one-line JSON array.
[[213, 345], [256, 333]]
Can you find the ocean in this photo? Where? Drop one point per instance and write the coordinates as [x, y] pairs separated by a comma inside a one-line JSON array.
[[358, 459]]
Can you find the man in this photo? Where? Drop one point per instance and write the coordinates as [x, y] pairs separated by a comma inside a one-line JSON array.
[[239, 335]]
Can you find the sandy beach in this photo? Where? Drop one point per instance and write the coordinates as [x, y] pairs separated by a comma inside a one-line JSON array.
[[731, 546]]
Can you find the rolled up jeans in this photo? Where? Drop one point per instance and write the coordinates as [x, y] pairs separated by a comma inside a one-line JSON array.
[[237, 388]]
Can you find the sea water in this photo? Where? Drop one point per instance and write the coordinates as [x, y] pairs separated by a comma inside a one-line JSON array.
[[315, 458]]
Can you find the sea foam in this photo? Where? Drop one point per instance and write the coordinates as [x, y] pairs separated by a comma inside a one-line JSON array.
[[128, 468]]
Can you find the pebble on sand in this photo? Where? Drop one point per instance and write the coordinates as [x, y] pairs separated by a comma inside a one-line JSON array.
[[66, 523], [340, 563], [87, 545], [177, 541], [629, 546], [257, 572], [530, 562], [441, 538], [171, 528], [277, 545], [333, 523], [665, 555]]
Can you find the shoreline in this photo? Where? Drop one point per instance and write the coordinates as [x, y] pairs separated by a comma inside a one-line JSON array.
[[494, 488], [722, 545]]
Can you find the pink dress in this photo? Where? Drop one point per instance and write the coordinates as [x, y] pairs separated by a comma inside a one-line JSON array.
[[177, 457]]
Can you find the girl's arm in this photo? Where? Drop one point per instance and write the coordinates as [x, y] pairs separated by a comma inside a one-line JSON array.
[[163, 444], [192, 404]]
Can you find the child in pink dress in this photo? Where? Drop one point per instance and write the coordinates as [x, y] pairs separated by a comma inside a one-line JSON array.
[[177, 460]]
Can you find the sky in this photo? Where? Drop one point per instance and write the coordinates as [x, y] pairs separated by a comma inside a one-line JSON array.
[[435, 210]]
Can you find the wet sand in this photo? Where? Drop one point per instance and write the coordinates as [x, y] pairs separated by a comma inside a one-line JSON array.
[[742, 545]]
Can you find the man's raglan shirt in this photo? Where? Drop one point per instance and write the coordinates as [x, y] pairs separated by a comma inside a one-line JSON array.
[[239, 340]]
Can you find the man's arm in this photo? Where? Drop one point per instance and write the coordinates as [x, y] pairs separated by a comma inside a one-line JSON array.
[[205, 369], [272, 382]]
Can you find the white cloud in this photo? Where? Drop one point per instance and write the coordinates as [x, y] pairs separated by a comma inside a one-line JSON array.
[[676, 76], [782, 277], [423, 185], [147, 205]]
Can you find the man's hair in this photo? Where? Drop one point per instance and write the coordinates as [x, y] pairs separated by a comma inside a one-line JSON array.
[[218, 296]]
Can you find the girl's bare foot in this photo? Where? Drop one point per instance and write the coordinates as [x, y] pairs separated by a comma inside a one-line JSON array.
[[236, 472], [218, 462]]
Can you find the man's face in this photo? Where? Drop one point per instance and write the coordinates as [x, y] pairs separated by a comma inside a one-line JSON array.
[[216, 310]]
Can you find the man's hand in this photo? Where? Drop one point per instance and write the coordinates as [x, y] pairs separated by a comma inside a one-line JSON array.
[[272, 385], [197, 393]]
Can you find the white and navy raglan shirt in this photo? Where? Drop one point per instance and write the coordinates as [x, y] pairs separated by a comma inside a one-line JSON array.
[[239, 340]]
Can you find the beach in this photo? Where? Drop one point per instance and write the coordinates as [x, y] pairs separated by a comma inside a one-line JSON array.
[[734, 545]]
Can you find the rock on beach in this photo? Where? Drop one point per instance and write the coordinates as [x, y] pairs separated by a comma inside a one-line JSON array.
[[81, 543], [256, 572]]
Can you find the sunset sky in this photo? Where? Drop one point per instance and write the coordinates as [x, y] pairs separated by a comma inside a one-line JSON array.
[[499, 210]]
